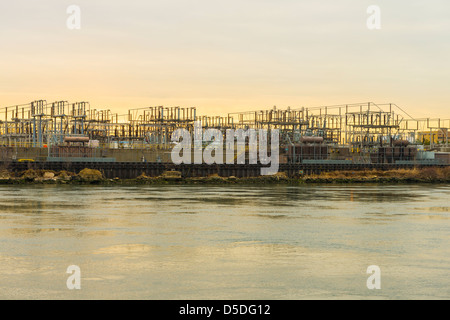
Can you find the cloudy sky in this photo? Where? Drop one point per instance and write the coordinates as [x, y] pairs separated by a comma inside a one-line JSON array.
[[227, 56]]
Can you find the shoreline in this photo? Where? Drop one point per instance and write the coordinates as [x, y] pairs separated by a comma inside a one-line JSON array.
[[95, 177]]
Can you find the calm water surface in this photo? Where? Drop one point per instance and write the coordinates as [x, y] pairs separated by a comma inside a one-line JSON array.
[[222, 242]]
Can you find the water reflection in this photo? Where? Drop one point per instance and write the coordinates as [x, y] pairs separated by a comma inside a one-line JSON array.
[[224, 242]]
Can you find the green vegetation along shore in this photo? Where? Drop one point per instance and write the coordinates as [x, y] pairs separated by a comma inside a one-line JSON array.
[[90, 176]]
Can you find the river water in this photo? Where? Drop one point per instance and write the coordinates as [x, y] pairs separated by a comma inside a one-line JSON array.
[[225, 242]]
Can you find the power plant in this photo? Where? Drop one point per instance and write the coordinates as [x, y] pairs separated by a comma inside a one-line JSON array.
[[367, 134]]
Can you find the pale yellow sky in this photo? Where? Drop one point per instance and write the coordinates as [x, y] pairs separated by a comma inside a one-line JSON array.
[[227, 56]]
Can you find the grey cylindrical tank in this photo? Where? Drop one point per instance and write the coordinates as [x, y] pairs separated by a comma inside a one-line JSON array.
[[306, 139]]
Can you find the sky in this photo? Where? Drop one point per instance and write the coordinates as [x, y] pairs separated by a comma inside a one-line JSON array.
[[227, 56]]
